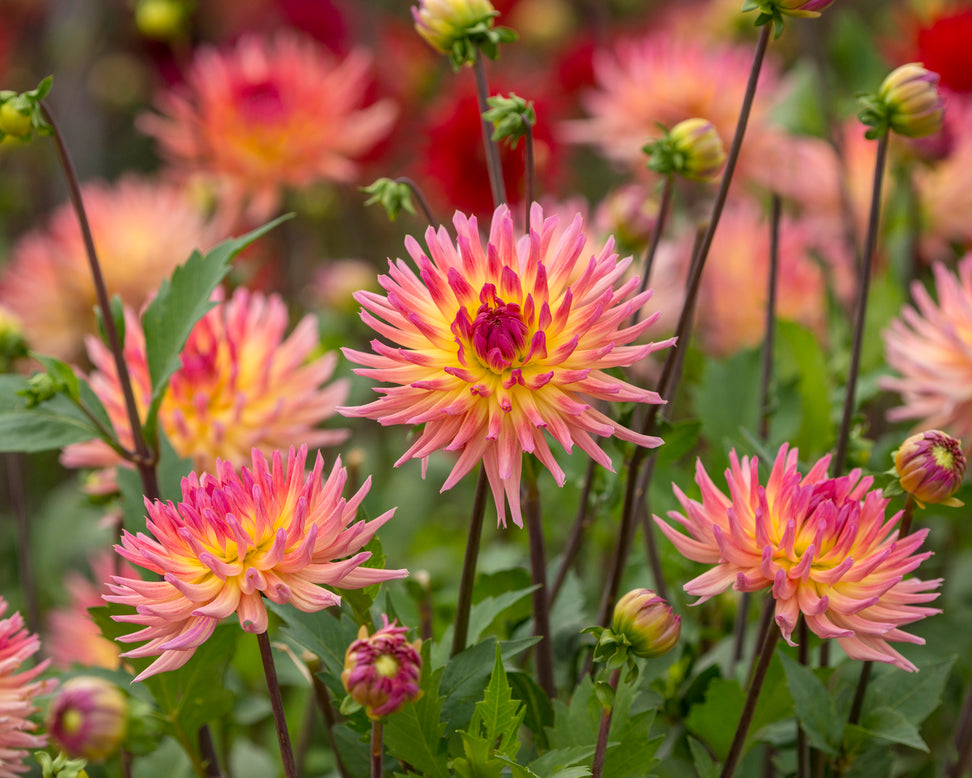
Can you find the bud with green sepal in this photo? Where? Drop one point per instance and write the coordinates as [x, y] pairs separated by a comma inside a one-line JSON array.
[[930, 467], [461, 28], [774, 10], [20, 112], [61, 766], [691, 149], [511, 117], [908, 103], [393, 196]]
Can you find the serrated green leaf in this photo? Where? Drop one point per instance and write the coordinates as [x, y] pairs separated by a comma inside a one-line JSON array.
[[814, 707], [414, 733], [482, 615], [182, 301], [538, 713], [559, 759], [477, 762], [915, 695], [889, 725], [498, 716]]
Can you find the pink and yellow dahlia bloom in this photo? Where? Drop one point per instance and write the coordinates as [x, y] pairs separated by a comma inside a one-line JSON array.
[[495, 345], [930, 346], [142, 231], [823, 547], [243, 384], [267, 115], [17, 692], [271, 531]]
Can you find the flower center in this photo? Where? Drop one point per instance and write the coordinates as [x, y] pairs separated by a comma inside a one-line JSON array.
[[498, 334], [259, 102], [386, 666]]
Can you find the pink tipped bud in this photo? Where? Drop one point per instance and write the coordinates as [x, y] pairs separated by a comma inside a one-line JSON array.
[[88, 718], [648, 623], [381, 672], [914, 106], [443, 23], [692, 148], [931, 466]]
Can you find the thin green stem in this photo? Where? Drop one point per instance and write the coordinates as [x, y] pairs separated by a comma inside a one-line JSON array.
[[276, 705], [496, 185], [464, 603], [739, 739], [600, 752], [538, 574], [863, 287], [423, 203], [144, 460], [376, 749]]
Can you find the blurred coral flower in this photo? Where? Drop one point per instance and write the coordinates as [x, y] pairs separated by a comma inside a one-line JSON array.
[[17, 692], [269, 115], [271, 531], [929, 345], [243, 384], [142, 231], [823, 546], [496, 345]]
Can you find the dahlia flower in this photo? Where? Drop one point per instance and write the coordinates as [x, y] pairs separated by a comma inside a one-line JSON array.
[[658, 78], [929, 345], [268, 115], [823, 546], [17, 692], [270, 531], [141, 229], [381, 671], [242, 385], [495, 345]]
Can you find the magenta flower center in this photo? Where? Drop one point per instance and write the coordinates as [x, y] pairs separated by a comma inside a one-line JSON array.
[[260, 102], [498, 334]]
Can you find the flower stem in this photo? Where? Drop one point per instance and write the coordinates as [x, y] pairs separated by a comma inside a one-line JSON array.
[[376, 750], [863, 286], [323, 698], [464, 603], [803, 747], [207, 751], [529, 176], [600, 752], [423, 203], [496, 185], [538, 573], [768, 640], [144, 460], [276, 704], [770, 331], [963, 739], [907, 515], [668, 191]]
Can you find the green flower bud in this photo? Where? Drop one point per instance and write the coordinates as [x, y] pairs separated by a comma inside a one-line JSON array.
[[908, 103], [442, 23], [692, 149], [647, 622]]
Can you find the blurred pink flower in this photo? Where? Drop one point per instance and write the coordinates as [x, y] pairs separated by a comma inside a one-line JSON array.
[[823, 546], [930, 346], [142, 231], [17, 692], [267, 115], [243, 384], [492, 346], [271, 531], [659, 78]]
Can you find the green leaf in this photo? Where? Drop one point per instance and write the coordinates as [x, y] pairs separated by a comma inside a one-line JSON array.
[[414, 733], [326, 634], [538, 713], [555, 761], [890, 725], [705, 767], [54, 424], [727, 397], [181, 302], [914, 695], [800, 367], [814, 707], [498, 716], [482, 615]]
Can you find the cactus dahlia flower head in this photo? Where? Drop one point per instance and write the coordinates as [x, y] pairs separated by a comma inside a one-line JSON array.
[[494, 346], [142, 230], [17, 692], [237, 537], [267, 115], [243, 384], [823, 546], [928, 344], [381, 671], [930, 466]]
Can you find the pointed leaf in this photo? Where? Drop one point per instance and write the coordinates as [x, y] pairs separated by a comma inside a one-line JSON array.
[[498, 716], [814, 707], [890, 725]]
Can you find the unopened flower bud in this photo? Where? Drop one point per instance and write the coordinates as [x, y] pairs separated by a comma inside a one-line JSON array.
[[931, 466], [647, 622], [442, 23], [692, 148], [381, 672], [15, 118], [908, 103], [161, 20], [88, 718], [808, 8]]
